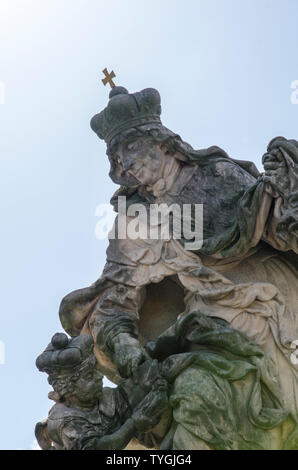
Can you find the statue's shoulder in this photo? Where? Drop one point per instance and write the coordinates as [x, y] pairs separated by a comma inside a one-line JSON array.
[[215, 155], [60, 411]]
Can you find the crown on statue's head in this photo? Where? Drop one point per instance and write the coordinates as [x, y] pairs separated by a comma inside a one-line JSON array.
[[65, 354], [125, 111]]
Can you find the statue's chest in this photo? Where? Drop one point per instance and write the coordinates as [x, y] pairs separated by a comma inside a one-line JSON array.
[[218, 184], [218, 187]]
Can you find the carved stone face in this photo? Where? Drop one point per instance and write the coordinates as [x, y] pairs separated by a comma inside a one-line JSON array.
[[141, 159], [88, 387]]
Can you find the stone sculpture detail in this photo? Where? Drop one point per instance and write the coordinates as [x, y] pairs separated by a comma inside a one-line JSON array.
[[87, 416], [211, 328]]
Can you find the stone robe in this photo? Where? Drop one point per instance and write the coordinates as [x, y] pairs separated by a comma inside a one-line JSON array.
[[245, 273]]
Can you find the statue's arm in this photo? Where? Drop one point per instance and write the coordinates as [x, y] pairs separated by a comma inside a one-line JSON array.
[[109, 308], [145, 416], [114, 319], [116, 441], [77, 434], [114, 325]]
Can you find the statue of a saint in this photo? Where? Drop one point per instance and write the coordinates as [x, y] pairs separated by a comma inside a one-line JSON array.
[[243, 277]]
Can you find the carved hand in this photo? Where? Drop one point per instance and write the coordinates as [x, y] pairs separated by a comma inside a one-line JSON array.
[[149, 411], [128, 354], [279, 172]]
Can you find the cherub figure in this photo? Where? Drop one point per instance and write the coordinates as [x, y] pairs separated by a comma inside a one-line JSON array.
[[86, 415]]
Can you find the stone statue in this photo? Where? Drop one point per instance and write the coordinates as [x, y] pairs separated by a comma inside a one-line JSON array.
[[219, 318], [87, 416]]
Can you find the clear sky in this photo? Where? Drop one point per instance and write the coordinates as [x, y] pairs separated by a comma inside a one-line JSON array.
[[224, 69]]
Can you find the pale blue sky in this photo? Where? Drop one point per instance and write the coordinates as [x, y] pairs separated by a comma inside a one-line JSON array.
[[224, 70]]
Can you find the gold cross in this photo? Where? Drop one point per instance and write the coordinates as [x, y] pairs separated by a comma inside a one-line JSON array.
[[108, 78]]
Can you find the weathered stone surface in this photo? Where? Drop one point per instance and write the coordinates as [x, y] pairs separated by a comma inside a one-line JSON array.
[[215, 325]]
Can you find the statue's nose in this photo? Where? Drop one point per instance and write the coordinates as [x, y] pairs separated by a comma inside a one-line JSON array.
[[126, 162]]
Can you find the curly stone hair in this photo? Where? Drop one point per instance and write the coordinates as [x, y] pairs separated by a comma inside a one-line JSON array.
[[64, 382]]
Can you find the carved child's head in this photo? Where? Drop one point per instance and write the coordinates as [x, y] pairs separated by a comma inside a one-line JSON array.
[[72, 369]]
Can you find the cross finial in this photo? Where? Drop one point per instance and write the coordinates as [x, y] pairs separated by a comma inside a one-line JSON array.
[[108, 78]]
